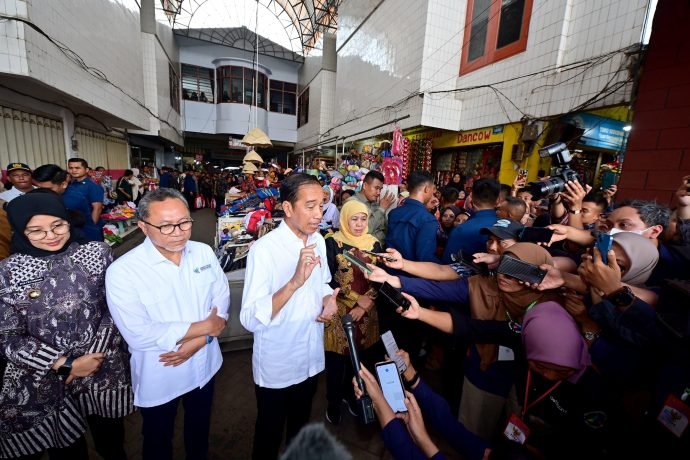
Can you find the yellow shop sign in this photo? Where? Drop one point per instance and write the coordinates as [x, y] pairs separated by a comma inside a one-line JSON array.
[[490, 135]]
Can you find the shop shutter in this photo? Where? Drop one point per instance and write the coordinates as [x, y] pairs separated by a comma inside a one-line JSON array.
[[30, 139], [98, 149]]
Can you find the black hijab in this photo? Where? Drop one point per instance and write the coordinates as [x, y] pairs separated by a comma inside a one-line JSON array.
[[20, 211]]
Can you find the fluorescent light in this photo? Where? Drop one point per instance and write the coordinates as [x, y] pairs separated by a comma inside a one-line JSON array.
[[627, 128]]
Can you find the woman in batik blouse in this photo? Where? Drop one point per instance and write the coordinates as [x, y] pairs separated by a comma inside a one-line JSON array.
[[66, 364]]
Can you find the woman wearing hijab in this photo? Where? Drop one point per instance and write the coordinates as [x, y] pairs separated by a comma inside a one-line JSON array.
[[331, 215], [564, 405], [355, 298], [488, 378], [65, 358]]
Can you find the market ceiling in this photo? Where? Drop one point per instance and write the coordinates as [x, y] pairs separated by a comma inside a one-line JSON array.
[[302, 20]]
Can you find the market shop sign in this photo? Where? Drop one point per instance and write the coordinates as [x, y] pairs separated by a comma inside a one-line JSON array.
[[490, 135], [599, 132]]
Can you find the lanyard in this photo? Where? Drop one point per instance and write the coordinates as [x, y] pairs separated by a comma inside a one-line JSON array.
[[529, 307], [540, 398]]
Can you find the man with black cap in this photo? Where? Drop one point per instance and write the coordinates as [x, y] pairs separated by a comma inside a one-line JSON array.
[[502, 235], [19, 175]]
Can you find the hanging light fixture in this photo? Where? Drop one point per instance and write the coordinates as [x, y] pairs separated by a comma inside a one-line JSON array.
[[256, 137], [249, 168], [253, 157]]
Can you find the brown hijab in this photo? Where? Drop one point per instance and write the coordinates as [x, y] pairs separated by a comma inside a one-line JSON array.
[[487, 302]]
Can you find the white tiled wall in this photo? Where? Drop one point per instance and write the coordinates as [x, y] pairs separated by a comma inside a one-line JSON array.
[[380, 63], [104, 34], [560, 33], [408, 46]]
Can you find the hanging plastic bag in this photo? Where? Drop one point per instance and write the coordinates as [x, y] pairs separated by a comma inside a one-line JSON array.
[[198, 202]]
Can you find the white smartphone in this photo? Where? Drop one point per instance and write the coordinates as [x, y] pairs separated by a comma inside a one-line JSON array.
[[391, 385], [392, 350]]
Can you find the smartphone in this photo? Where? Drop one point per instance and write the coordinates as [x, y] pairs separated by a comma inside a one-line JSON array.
[[391, 385], [518, 269], [536, 235], [361, 264], [394, 296], [522, 174], [380, 255], [392, 350], [468, 261], [603, 244]]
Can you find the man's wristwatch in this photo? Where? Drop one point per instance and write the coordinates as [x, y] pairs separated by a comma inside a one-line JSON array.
[[66, 367], [621, 298]]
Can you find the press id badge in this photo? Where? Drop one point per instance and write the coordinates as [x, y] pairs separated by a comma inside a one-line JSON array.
[[674, 415], [516, 430]]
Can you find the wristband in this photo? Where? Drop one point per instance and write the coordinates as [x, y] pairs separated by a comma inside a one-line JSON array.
[[209, 339], [412, 382], [575, 211]]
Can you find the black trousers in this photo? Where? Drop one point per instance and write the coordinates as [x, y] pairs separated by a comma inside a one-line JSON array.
[[159, 425], [276, 408]]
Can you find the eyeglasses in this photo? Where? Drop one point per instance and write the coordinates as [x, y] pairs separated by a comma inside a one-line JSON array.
[[169, 229], [57, 229]]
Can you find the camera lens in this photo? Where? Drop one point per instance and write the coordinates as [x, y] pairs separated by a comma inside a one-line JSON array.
[[544, 188]]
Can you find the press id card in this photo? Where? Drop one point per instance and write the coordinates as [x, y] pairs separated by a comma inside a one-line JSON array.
[[392, 350]]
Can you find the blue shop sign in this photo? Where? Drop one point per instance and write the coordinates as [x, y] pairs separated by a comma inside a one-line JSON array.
[[600, 132]]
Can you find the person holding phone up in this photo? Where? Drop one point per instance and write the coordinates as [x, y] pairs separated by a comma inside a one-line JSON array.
[[356, 298], [404, 433]]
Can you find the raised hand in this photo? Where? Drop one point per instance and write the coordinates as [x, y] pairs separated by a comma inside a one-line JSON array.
[[397, 263], [574, 304], [379, 275], [415, 425], [604, 278], [413, 311], [386, 200], [305, 265]]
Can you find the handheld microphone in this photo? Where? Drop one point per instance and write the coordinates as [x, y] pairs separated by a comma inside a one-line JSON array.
[[366, 407], [349, 327]]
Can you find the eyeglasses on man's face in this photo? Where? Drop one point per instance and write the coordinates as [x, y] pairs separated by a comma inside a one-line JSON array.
[[169, 229]]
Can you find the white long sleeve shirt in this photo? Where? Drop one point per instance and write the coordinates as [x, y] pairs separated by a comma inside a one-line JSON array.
[[153, 302], [288, 348]]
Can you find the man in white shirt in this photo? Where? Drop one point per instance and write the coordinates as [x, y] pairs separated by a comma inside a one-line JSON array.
[[19, 175], [169, 298], [286, 299]]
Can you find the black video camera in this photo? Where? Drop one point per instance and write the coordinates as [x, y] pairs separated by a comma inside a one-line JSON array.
[[556, 184]]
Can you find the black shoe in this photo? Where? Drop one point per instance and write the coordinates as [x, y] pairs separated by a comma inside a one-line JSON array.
[[333, 416], [351, 407]]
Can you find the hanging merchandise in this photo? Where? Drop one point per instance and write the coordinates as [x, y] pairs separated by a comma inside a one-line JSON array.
[[398, 139], [426, 156], [392, 170], [405, 152]]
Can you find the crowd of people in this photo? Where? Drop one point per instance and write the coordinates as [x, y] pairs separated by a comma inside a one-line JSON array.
[[558, 324], [588, 359]]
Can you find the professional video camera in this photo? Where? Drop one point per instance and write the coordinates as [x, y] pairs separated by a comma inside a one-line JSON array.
[[555, 184]]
